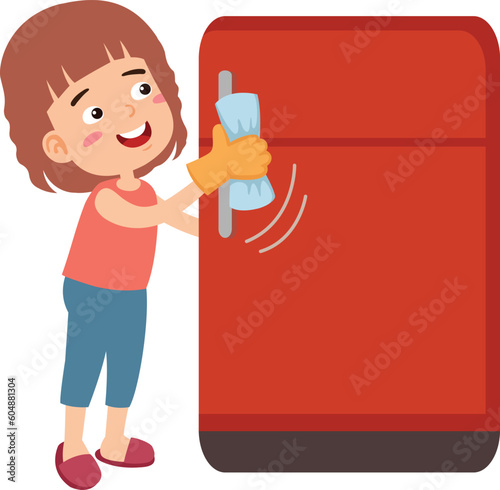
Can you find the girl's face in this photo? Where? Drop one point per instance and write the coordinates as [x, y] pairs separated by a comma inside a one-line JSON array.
[[112, 121]]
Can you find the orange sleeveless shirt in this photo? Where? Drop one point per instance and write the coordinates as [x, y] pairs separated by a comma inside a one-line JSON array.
[[110, 256]]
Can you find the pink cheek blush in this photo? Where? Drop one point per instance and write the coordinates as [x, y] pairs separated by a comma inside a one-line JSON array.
[[158, 99], [92, 138]]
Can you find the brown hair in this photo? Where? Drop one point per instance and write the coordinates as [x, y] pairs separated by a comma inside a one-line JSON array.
[[73, 35]]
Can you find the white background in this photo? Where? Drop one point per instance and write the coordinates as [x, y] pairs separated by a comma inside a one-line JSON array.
[[36, 229]]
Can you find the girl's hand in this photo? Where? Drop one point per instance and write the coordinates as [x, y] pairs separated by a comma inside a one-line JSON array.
[[245, 158]]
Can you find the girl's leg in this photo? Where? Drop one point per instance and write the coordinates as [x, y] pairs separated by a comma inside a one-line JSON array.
[[115, 444], [123, 355], [85, 351], [73, 433]]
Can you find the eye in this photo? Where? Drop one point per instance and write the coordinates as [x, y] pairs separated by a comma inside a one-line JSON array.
[[92, 114], [141, 90]]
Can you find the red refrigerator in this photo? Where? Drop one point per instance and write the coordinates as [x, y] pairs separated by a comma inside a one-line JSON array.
[[352, 324]]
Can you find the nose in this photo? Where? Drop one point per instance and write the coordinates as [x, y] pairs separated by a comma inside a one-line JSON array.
[[131, 108]]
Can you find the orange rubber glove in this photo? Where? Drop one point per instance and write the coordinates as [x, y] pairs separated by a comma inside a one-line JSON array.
[[245, 158]]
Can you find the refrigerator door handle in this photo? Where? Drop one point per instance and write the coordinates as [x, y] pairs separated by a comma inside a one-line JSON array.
[[227, 216]]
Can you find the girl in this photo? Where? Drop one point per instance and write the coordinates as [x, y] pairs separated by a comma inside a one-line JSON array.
[[93, 106]]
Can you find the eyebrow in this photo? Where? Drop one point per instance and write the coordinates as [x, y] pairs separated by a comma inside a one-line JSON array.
[[79, 96], [137, 71]]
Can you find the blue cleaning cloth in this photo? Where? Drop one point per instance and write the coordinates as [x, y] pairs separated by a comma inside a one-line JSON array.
[[239, 115]]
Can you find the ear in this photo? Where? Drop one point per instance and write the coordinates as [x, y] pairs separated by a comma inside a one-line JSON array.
[[55, 148]]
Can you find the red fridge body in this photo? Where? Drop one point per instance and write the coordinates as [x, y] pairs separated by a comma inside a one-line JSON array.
[[368, 335]]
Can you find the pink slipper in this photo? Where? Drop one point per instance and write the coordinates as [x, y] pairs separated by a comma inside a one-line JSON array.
[[139, 454], [79, 472]]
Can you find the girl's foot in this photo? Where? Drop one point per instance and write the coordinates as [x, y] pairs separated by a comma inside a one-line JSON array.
[[72, 449], [115, 450], [80, 471], [129, 453]]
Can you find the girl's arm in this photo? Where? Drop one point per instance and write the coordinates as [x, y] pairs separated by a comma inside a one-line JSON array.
[[176, 205], [114, 208]]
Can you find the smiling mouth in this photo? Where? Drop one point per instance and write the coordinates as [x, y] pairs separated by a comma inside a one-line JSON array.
[[137, 137]]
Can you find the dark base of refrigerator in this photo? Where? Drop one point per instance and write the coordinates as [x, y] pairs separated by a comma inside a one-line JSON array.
[[293, 451]]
